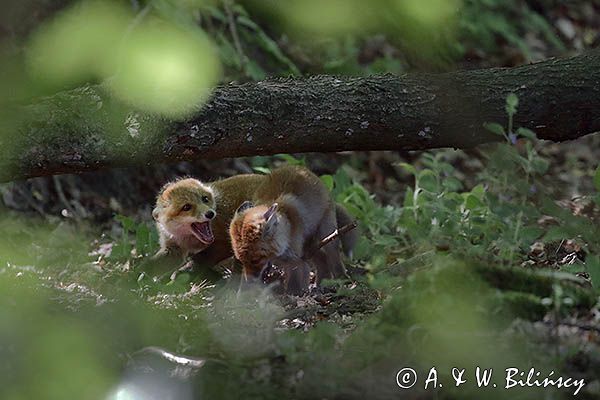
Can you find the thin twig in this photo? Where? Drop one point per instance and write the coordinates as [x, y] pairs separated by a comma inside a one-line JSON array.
[[234, 33], [62, 197], [136, 20], [187, 265], [558, 249], [583, 327], [185, 361], [337, 233], [135, 5], [29, 199]]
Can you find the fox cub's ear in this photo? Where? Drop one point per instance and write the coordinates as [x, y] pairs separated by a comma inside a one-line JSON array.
[[270, 219], [244, 206], [271, 211], [155, 213]]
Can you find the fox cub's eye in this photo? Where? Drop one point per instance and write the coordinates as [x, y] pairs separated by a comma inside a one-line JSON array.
[[186, 207], [205, 199]]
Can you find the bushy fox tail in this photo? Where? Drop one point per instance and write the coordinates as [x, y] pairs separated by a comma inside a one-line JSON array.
[[350, 238]]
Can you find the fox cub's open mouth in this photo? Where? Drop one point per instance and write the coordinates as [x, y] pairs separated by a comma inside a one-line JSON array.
[[203, 232]]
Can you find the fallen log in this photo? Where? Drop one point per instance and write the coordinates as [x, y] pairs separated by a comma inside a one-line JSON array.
[[86, 129]]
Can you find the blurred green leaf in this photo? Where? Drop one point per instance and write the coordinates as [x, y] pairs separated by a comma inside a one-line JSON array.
[[593, 268], [262, 170], [427, 180], [267, 43], [408, 167], [472, 202], [597, 179], [164, 69], [78, 45], [495, 128], [328, 181], [127, 223], [254, 70], [512, 102], [291, 160], [540, 165], [526, 133]]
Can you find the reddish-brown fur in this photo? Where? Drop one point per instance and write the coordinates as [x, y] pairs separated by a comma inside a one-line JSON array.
[[226, 195], [305, 207], [294, 212], [174, 221], [246, 238]]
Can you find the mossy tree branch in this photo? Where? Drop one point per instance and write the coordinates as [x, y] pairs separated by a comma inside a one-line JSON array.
[[85, 129]]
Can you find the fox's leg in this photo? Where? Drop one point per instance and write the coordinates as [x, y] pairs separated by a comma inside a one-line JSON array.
[[167, 247], [327, 259], [319, 260], [297, 277], [251, 277], [296, 272]]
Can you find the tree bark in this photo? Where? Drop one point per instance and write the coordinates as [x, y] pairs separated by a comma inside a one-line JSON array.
[[86, 129]]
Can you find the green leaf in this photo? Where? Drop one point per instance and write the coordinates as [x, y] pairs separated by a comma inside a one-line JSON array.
[[178, 13], [531, 233], [472, 202], [288, 158], [262, 170], [328, 181], [593, 268], [342, 182], [216, 13], [254, 70], [127, 223], [427, 180], [512, 102], [386, 241], [120, 251], [526, 133], [495, 128], [540, 165], [557, 233], [409, 197], [142, 239], [478, 191], [408, 167], [452, 184], [597, 179], [227, 53], [268, 44], [353, 210]]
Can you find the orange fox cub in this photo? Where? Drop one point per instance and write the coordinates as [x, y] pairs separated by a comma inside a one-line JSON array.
[[183, 212], [290, 212], [194, 217]]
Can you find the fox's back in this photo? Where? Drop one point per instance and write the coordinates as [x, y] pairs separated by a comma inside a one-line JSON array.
[[229, 194], [301, 196]]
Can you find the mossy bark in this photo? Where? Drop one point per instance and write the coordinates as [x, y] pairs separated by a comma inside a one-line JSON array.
[[86, 129]]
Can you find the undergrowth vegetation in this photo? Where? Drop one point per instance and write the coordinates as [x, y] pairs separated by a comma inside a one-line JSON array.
[[479, 27], [449, 277]]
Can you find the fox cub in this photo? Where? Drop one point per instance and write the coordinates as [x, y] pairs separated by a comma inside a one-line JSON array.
[[290, 212], [293, 212]]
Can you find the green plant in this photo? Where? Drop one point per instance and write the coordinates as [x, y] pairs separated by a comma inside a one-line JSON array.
[[135, 241], [494, 220], [239, 38], [597, 185], [483, 21]]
